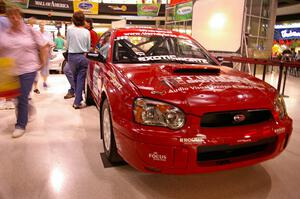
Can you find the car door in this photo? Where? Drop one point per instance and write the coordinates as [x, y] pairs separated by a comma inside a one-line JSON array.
[[99, 68]]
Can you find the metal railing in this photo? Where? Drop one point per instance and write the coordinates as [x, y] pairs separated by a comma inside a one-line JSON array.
[[283, 66]]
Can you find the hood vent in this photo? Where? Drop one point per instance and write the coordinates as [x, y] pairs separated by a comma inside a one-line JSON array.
[[197, 71]]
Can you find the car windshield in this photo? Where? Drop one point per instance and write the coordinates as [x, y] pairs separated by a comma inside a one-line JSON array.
[[153, 49]]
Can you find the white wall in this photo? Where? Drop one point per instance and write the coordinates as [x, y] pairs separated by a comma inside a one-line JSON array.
[[218, 25]]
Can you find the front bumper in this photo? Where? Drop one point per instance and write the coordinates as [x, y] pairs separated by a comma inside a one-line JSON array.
[[182, 153]]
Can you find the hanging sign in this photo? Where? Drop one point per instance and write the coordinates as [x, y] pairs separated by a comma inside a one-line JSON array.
[[184, 11], [19, 3], [148, 9], [117, 9], [289, 33], [56, 5], [87, 7]]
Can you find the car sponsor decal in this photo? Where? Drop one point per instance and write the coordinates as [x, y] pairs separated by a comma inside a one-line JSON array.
[[244, 140], [95, 79], [279, 130], [207, 82], [114, 80], [194, 140], [157, 157], [160, 33], [172, 58]]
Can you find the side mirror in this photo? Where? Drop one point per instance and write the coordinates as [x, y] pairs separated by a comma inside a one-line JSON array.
[[95, 56]]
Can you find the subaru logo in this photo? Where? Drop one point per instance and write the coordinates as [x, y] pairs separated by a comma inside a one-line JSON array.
[[239, 118]]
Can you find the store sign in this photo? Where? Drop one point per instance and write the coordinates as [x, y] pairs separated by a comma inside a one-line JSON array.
[[117, 9], [148, 9], [19, 3], [290, 33], [59, 5], [87, 7], [175, 2], [184, 11]]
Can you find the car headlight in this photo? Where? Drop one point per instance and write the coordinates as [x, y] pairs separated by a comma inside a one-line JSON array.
[[280, 107], [155, 113]]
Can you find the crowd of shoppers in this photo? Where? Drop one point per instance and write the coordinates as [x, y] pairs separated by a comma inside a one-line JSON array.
[[17, 36]]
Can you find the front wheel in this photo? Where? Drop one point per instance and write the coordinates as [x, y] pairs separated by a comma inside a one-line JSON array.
[[109, 142]]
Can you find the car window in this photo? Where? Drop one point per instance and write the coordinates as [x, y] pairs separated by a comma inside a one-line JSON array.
[[145, 49], [103, 45]]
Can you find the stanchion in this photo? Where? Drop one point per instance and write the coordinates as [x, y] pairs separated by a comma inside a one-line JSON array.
[[264, 73], [254, 70], [280, 76], [284, 82]]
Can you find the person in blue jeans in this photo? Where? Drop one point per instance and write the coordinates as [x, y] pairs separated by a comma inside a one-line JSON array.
[[78, 42], [27, 62], [69, 75]]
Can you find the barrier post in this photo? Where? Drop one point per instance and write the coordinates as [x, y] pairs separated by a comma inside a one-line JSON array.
[[264, 73], [284, 82], [254, 70], [280, 76]]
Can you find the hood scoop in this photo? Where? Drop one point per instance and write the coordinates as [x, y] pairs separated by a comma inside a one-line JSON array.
[[192, 69], [196, 71]]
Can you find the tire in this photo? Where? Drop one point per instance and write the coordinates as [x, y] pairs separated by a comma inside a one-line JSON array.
[[109, 143], [88, 95]]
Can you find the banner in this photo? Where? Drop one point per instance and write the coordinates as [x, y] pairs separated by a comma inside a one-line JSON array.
[[184, 11], [148, 9], [87, 7], [288, 33], [117, 9], [55, 5], [19, 3]]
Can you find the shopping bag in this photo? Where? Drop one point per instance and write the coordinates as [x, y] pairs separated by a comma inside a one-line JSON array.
[[9, 84]]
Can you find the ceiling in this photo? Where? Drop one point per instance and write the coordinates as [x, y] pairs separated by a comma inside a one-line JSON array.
[[282, 3], [288, 11]]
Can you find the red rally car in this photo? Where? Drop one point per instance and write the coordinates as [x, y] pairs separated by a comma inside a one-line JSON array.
[[167, 106]]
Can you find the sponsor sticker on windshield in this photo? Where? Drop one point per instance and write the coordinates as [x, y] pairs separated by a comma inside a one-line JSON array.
[[172, 58]]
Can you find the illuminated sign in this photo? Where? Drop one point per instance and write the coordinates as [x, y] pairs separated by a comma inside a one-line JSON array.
[[59, 5], [87, 7], [289, 33]]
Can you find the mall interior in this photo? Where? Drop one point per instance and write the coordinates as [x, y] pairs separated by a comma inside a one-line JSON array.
[[175, 99]]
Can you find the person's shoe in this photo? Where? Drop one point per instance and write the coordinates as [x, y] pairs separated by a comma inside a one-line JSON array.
[[80, 106], [45, 85], [36, 91], [18, 133], [69, 95]]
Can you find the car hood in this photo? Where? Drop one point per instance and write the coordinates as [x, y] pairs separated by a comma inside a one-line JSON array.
[[198, 89]]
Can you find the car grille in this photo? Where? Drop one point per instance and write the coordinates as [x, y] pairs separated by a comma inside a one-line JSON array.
[[222, 154], [231, 118]]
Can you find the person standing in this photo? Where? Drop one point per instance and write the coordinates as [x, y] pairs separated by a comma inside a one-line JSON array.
[[31, 22], [12, 44], [78, 42], [45, 69], [94, 36], [59, 42]]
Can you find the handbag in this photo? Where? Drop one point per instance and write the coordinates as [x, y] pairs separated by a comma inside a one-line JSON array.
[[9, 84]]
